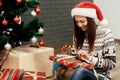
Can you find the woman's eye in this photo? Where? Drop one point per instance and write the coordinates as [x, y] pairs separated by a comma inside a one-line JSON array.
[[82, 21]]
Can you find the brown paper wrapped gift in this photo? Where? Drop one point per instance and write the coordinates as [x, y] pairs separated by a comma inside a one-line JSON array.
[[30, 59]]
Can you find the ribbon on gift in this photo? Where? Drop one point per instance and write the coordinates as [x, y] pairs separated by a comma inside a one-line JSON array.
[[34, 75]]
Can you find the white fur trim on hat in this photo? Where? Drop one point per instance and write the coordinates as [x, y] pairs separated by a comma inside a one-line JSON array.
[[88, 12]]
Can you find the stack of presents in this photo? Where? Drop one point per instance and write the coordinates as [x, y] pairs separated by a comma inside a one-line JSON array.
[[66, 62], [29, 63], [26, 63]]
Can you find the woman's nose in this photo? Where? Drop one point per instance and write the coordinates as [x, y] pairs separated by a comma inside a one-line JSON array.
[[79, 24]]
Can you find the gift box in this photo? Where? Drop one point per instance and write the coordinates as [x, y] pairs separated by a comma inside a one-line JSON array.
[[71, 61], [20, 74], [11, 74], [32, 75], [30, 59]]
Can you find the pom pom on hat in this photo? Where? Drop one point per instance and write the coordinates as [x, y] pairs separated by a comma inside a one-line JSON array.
[[104, 22], [89, 9]]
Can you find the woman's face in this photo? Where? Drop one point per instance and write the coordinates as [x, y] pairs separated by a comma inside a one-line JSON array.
[[81, 22]]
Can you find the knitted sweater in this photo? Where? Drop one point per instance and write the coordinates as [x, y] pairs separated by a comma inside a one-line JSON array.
[[103, 56]]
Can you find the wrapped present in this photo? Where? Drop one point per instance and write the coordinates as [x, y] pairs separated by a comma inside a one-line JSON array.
[[20, 74], [30, 59], [31, 75], [11, 74], [70, 61]]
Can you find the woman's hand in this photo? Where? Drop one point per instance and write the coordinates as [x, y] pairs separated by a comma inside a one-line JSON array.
[[83, 55]]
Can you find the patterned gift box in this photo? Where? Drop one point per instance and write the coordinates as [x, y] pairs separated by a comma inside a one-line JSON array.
[[70, 61], [20, 74], [11, 74], [31, 75]]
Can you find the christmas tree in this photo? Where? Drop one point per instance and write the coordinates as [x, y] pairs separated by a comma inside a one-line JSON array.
[[13, 31]]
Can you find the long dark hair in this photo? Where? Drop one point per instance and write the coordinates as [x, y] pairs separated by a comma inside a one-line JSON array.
[[89, 34]]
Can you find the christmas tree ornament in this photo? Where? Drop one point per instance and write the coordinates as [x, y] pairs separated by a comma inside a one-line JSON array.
[[27, 0], [41, 43], [13, 28], [2, 12], [37, 9], [8, 33], [4, 32], [4, 22], [10, 29], [16, 19], [7, 46], [34, 40], [41, 30], [1, 5], [20, 43], [19, 1], [33, 13], [19, 20]]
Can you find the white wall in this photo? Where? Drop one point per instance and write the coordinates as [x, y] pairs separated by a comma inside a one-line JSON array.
[[111, 11]]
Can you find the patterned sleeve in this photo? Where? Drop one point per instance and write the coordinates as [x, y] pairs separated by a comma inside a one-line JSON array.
[[108, 60]]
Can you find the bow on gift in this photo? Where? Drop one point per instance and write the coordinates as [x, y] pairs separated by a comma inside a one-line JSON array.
[[34, 75]]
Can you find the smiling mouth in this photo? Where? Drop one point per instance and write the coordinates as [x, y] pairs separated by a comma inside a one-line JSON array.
[[83, 29]]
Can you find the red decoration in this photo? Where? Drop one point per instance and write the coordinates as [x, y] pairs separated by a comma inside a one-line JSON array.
[[1, 4], [19, 1], [37, 10], [4, 22], [41, 43], [16, 19]]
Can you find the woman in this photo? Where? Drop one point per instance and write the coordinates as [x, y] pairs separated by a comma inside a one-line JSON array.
[[94, 43]]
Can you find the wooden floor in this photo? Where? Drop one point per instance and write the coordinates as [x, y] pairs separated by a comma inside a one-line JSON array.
[[115, 72]]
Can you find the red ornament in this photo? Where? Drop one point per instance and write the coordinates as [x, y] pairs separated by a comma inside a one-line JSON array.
[[16, 19], [37, 10], [41, 43], [19, 1], [4, 22], [1, 4]]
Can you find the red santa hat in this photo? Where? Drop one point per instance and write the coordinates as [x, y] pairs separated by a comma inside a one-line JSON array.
[[89, 9]]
